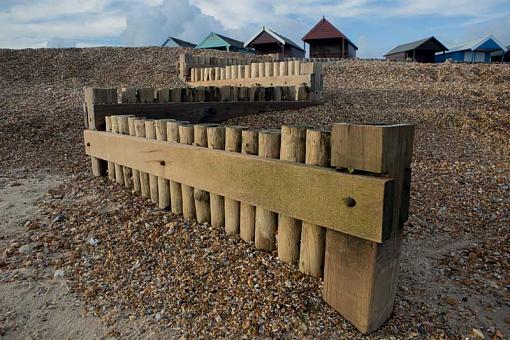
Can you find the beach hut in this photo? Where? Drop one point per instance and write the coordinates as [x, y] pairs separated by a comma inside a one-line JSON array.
[[326, 41], [220, 42], [174, 42], [501, 56], [267, 41], [422, 51], [476, 51]]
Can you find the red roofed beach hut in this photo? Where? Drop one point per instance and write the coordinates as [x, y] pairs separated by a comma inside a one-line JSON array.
[[326, 41]]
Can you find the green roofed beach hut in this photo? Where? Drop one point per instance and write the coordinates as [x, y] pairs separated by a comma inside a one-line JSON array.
[[174, 42], [220, 42]]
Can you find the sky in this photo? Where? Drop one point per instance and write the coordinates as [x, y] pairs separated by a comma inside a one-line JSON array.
[[375, 26]]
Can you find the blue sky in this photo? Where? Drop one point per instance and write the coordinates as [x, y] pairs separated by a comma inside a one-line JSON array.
[[375, 26]]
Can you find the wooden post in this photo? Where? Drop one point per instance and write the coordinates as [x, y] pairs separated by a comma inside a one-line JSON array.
[[268, 69], [297, 67], [216, 140], [111, 166], [163, 184], [250, 146], [266, 222], [360, 276], [186, 136], [313, 236], [202, 207], [290, 68], [276, 68], [176, 95], [144, 177], [163, 95], [262, 70], [293, 142], [119, 173], [150, 133], [123, 124], [135, 173], [128, 95], [146, 95], [254, 70], [97, 96], [247, 71], [284, 68], [172, 135], [233, 143]]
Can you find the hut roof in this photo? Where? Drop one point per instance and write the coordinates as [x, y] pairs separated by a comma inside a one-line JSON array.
[[325, 30], [278, 37], [178, 42], [213, 38], [433, 44], [488, 43]]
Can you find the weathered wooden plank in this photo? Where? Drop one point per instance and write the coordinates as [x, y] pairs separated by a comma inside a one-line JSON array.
[[309, 193], [205, 112]]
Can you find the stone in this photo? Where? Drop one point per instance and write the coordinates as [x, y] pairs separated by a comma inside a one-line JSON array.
[[26, 249]]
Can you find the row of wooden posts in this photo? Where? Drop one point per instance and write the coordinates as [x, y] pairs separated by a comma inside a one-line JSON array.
[[296, 240], [345, 227], [214, 94], [255, 70]]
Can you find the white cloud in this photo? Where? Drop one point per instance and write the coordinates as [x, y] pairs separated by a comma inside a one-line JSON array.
[[35, 23], [178, 18]]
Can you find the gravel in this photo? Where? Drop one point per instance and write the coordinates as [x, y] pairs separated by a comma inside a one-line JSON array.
[[194, 280]]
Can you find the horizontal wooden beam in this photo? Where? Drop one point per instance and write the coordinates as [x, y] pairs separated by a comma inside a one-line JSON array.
[[353, 204], [202, 112], [291, 80]]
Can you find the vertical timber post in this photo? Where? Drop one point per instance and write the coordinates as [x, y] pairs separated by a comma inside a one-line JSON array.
[[144, 177], [293, 142], [186, 136], [163, 184], [311, 256], [172, 134], [232, 207], [360, 276], [216, 140], [97, 96], [266, 221], [250, 146], [150, 133]]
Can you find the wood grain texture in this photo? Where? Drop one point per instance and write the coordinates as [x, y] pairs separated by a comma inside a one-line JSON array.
[[249, 146], [150, 133], [136, 174], [266, 221], [144, 177], [202, 197], [123, 123], [92, 97], [111, 165], [163, 183], [186, 135], [293, 142], [311, 255], [119, 172], [216, 140], [282, 186], [172, 134], [360, 276], [233, 141]]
